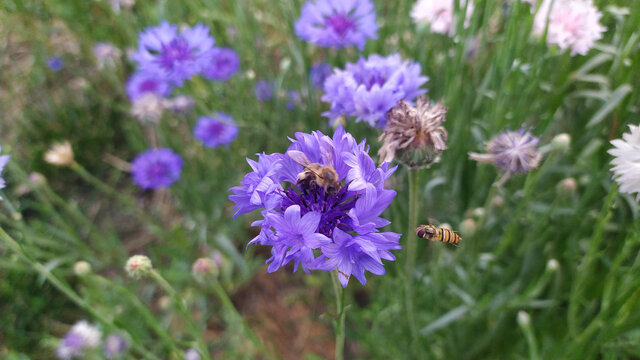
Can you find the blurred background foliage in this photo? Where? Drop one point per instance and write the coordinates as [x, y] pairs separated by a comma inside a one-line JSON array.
[[567, 256]]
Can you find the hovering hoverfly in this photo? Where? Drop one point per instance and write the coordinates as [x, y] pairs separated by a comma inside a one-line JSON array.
[[433, 233]]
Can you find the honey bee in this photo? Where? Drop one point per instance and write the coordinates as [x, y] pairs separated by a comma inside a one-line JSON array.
[[435, 233], [314, 174]]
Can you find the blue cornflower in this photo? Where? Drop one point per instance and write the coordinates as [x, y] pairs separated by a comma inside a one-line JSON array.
[[293, 99], [156, 168], [337, 23], [369, 88], [223, 64], [315, 225], [141, 83], [176, 56], [319, 73], [263, 90], [55, 63], [216, 130]]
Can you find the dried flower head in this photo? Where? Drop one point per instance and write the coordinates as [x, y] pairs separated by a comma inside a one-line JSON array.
[[512, 151], [60, 154], [180, 104], [138, 266], [626, 161], [414, 135]]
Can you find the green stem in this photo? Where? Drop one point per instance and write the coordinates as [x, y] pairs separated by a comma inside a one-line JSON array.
[[197, 333], [230, 308], [339, 322], [66, 290], [411, 253]]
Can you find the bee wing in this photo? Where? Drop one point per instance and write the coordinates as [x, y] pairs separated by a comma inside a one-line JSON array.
[[299, 157]]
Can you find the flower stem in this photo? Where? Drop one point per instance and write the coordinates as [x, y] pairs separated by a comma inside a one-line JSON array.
[[340, 320], [411, 253], [197, 333], [66, 290], [229, 307]]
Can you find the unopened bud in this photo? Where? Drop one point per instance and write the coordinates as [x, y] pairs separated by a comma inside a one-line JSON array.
[[164, 302], [60, 154], [468, 227], [204, 267], [478, 212], [553, 265], [82, 268], [497, 201], [524, 319], [138, 266], [561, 142], [192, 354], [567, 186]]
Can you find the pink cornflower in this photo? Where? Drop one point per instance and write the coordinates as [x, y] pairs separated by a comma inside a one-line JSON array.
[[572, 24]]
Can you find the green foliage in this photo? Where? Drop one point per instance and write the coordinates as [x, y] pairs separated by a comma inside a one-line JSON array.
[[567, 259]]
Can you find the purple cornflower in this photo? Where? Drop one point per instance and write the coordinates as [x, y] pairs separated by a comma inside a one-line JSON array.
[[369, 88], [337, 23], [216, 130], [263, 90], [80, 337], [293, 99], [55, 63], [141, 83], [319, 73], [156, 168], [174, 56], [114, 346], [321, 226], [223, 64], [512, 151]]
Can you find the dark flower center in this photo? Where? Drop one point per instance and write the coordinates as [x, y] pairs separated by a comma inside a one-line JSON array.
[[148, 86], [176, 51], [332, 207], [340, 23], [157, 171], [215, 128]]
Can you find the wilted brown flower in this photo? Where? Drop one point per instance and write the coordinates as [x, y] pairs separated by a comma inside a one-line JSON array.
[[414, 135], [60, 154]]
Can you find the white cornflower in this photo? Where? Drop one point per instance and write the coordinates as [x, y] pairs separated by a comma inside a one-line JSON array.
[[60, 154], [573, 24], [148, 108], [626, 161], [439, 15]]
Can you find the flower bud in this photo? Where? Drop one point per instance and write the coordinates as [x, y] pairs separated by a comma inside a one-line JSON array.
[[468, 227], [561, 142], [553, 265], [478, 212], [138, 266], [524, 319], [60, 154], [82, 268], [164, 302], [204, 267], [497, 201], [567, 186], [192, 354]]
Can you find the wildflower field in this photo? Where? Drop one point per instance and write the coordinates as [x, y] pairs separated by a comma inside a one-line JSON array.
[[319, 179]]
